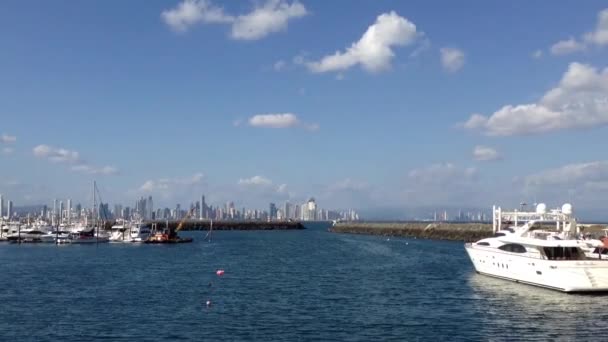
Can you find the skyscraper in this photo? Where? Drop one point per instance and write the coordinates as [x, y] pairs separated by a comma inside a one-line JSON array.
[[202, 208], [272, 211], [9, 209], [69, 211], [60, 210]]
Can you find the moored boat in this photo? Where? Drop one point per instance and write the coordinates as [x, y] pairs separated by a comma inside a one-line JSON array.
[[539, 248]]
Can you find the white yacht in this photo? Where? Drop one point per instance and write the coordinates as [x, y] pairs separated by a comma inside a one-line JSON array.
[[118, 233], [139, 232], [539, 248]]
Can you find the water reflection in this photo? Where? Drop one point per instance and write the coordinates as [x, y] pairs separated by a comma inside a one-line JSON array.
[[536, 312]]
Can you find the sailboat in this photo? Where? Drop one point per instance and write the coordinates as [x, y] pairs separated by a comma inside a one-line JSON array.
[[208, 236], [88, 235]]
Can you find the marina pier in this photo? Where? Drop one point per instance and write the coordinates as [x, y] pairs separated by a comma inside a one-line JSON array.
[[228, 225]]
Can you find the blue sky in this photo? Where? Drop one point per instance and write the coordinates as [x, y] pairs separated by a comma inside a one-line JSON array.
[[274, 100]]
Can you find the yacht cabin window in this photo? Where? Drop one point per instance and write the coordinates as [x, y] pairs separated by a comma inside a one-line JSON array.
[[513, 247]]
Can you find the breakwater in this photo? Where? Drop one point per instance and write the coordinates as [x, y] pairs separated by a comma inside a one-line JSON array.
[[467, 232], [228, 225]]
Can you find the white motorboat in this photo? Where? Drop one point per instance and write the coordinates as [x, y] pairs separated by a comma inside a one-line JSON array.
[[118, 233], [139, 232], [541, 249], [83, 237]]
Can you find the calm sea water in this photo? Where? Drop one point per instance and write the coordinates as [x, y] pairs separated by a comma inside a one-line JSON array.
[[278, 285]]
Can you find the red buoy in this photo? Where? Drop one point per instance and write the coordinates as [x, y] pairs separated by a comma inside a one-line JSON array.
[[219, 272]]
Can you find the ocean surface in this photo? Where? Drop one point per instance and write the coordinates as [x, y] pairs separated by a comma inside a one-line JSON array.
[[308, 285]]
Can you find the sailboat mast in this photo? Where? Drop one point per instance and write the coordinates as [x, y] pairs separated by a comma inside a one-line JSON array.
[[94, 213]]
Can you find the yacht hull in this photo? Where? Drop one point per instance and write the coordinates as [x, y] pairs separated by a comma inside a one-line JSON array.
[[561, 275]]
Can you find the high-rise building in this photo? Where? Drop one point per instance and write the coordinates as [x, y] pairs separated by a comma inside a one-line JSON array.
[[69, 211], [287, 211], [272, 211], [202, 208], [9, 209], [60, 211], [149, 208], [1, 206]]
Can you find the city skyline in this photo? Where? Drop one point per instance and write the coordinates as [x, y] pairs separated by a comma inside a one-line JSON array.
[[144, 209], [407, 106]]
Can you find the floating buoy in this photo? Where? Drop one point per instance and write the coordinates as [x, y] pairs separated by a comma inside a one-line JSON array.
[[219, 272], [208, 303]]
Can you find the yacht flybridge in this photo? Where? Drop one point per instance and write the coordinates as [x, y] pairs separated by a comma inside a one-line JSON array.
[[540, 248]]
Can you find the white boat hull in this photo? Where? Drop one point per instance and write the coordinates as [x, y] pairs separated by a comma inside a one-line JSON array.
[[561, 275]]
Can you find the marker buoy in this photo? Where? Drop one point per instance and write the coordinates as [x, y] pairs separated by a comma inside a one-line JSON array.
[[208, 303], [219, 272]]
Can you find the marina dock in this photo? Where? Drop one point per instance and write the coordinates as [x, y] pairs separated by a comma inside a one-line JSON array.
[[229, 225]]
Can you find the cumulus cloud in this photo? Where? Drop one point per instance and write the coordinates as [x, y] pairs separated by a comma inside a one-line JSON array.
[[105, 170], [279, 65], [584, 183], [65, 156], [58, 155], [269, 17], [564, 47], [191, 12], [537, 54], [7, 139], [255, 180], [171, 183], [576, 173], [281, 120], [260, 188], [600, 35], [484, 153], [452, 59], [441, 173], [7, 150], [580, 100], [374, 50], [443, 183], [597, 37]]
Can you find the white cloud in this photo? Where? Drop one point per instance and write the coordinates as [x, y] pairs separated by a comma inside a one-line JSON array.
[[597, 37], [443, 183], [255, 180], [279, 65], [564, 47], [191, 12], [452, 59], [7, 139], [164, 184], [537, 54], [65, 156], [441, 173], [374, 51], [484, 153], [584, 184], [58, 155], [7, 150], [576, 173], [281, 120], [600, 35], [105, 170], [580, 100], [269, 17]]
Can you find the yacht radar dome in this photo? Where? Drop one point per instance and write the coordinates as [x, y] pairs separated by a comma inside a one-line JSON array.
[[541, 208], [567, 209]]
